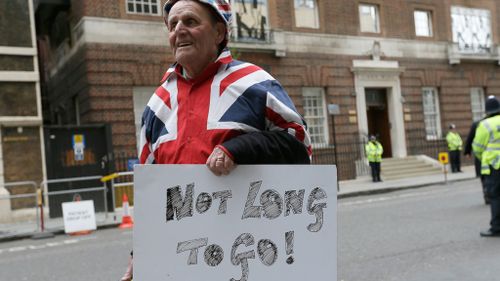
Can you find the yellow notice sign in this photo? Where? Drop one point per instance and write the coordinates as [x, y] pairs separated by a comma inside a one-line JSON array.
[[443, 157], [78, 138]]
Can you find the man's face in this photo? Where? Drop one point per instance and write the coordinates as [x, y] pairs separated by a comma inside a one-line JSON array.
[[193, 35]]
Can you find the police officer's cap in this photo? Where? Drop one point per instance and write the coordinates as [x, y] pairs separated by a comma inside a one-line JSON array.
[[492, 105]]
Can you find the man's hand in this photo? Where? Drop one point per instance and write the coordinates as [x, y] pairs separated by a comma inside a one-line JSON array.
[[220, 163]]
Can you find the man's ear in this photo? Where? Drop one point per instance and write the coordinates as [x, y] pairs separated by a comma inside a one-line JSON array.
[[221, 32]]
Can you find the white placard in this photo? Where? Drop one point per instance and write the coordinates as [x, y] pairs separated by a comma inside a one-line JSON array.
[[79, 216], [260, 223]]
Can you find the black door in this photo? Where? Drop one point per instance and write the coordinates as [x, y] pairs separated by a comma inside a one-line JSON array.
[[75, 152], [378, 118]]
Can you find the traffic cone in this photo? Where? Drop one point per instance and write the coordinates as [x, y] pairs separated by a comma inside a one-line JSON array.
[[127, 221]]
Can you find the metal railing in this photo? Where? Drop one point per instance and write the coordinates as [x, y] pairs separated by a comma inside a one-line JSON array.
[[23, 195], [44, 187], [40, 191], [349, 156], [120, 180]]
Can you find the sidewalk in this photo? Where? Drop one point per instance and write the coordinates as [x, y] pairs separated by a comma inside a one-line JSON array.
[[28, 229], [350, 188], [365, 186]]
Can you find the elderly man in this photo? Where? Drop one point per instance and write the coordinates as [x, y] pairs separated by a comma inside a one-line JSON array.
[[213, 110]]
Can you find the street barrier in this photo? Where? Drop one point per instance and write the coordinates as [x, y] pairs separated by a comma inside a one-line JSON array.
[[7, 214], [124, 182], [58, 223], [75, 191], [41, 197]]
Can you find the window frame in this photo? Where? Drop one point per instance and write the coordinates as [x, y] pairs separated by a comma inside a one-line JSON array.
[[322, 117], [378, 29], [430, 25], [316, 15], [142, 4], [436, 113], [478, 112]]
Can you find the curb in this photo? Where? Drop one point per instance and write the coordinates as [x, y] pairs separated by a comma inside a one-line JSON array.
[[29, 235], [393, 189]]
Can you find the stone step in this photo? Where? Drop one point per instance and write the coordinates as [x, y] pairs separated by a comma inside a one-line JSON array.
[[412, 166], [408, 158], [409, 170], [406, 165], [393, 161], [410, 175]]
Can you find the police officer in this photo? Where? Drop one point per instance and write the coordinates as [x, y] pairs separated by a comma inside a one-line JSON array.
[[454, 147], [490, 108], [486, 146], [374, 152]]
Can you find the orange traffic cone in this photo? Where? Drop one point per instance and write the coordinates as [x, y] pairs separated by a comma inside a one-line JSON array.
[[127, 221]]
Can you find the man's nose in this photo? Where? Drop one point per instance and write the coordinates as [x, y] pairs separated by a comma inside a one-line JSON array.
[[179, 26]]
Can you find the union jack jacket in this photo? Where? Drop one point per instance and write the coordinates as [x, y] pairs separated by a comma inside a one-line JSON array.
[[234, 105]]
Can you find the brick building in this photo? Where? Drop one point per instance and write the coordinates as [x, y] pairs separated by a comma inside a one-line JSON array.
[[21, 141], [401, 69]]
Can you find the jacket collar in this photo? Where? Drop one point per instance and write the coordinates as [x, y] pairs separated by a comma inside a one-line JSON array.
[[176, 69]]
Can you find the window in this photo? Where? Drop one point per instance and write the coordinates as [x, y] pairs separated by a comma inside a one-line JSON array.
[[369, 18], [423, 23], [431, 113], [471, 29], [315, 114], [251, 21], [477, 103], [145, 7], [306, 13]]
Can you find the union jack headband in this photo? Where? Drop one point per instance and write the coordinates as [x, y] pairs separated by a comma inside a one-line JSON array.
[[222, 7]]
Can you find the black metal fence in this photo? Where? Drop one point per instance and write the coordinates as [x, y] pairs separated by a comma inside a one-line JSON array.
[[124, 161], [349, 156], [419, 143]]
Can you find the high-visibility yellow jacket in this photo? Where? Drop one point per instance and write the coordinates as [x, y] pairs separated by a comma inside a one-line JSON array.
[[486, 144], [374, 151], [454, 141]]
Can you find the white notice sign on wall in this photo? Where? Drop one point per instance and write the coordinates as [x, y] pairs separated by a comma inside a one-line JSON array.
[[78, 216], [260, 223]]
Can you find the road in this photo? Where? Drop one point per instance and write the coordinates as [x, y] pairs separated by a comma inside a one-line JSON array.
[[101, 256], [423, 234], [429, 233]]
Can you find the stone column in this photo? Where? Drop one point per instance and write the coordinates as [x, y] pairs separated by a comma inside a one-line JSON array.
[[5, 211]]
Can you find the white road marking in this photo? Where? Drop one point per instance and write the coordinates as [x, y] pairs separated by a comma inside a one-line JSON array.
[[32, 247], [17, 249], [42, 246]]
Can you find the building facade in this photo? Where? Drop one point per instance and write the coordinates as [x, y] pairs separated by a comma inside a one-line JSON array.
[[400, 69], [21, 141]]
